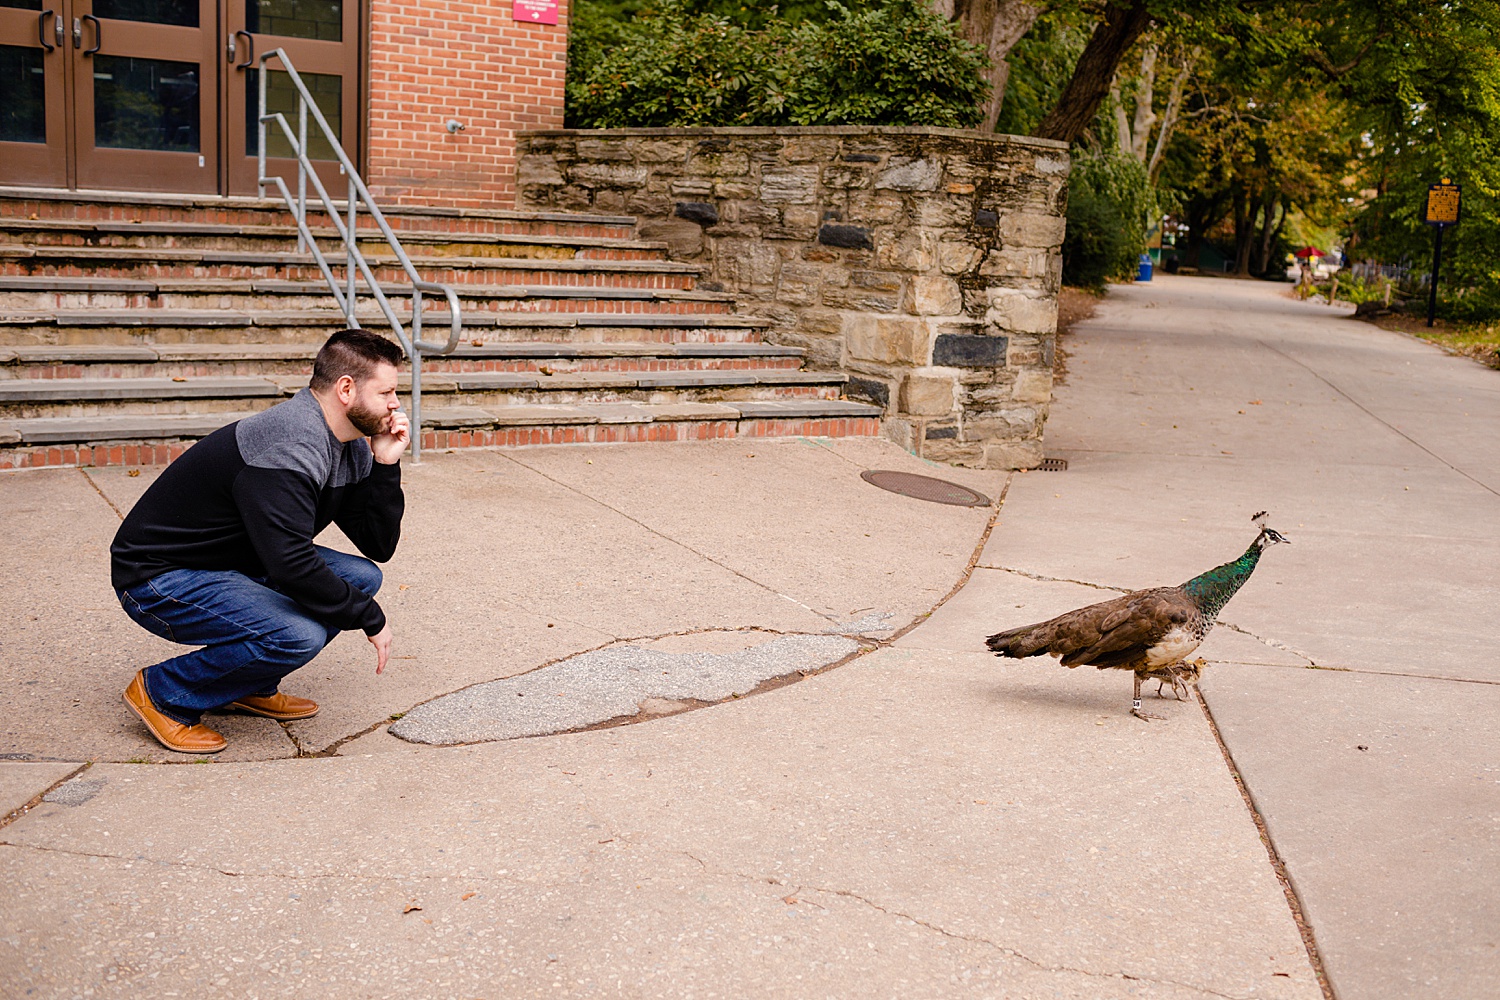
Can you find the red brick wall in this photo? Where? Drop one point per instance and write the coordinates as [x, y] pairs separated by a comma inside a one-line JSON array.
[[431, 60]]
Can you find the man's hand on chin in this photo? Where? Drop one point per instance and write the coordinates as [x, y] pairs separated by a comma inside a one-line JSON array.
[[390, 445]]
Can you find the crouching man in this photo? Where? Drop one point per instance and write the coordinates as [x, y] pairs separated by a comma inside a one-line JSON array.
[[219, 552]]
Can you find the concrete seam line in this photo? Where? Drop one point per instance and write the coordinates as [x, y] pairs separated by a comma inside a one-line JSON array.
[[659, 534], [1293, 898], [36, 799], [972, 939], [1378, 419], [968, 573], [118, 513], [1042, 578]]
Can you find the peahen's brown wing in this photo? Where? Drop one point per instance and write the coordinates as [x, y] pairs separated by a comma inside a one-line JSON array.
[[1111, 633]]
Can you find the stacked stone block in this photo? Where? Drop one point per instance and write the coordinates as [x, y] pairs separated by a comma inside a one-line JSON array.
[[925, 263]]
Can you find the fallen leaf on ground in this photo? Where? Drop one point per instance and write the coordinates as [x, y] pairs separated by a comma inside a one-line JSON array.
[[410, 907], [133, 473], [468, 895]]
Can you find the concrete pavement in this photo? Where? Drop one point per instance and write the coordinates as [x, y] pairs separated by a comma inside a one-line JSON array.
[[921, 821], [1192, 403]]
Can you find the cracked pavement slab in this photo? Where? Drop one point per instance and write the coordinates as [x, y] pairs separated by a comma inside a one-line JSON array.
[[508, 561], [612, 683], [915, 822]]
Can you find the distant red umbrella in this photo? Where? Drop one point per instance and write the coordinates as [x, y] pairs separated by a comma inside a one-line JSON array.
[[1306, 252]]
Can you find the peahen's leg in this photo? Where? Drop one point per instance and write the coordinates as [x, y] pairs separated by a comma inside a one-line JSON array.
[[1135, 704]]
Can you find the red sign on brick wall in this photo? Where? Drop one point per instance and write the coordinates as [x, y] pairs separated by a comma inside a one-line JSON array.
[[534, 11]]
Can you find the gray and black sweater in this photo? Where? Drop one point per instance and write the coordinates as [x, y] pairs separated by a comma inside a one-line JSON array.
[[252, 496]]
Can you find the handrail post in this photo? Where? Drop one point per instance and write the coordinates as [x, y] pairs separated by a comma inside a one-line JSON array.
[[302, 164], [416, 406], [260, 148], [349, 261], [416, 375]]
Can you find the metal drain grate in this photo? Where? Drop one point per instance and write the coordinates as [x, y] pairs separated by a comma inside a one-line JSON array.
[[925, 488], [1053, 465]]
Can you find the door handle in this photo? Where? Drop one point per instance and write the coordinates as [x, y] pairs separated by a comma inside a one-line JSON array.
[[98, 34], [41, 29], [249, 49]]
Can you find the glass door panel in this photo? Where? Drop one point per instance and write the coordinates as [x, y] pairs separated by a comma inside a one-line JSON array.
[[160, 95], [319, 37], [146, 94], [33, 106]]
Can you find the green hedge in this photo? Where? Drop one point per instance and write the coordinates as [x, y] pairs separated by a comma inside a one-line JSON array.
[[889, 62], [1109, 197]]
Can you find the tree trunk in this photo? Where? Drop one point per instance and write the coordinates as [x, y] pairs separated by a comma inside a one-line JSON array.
[[1095, 71], [1246, 209], [1260, 261], [1169, 117], [1145, 114], [995, 26]]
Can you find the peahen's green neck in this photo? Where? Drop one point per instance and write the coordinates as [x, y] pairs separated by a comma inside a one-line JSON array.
[[1212, 590]]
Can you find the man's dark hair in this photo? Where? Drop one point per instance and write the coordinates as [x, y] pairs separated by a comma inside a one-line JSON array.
[[355, 353]]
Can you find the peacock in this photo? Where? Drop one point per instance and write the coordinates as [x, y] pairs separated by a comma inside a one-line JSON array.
[[1150, 632]]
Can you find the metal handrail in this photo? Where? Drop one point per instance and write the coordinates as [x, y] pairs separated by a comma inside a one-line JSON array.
[[354, 260]]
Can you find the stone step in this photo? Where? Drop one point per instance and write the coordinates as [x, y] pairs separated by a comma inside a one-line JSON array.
[[42, 293], [226, 327], [147, 263], [156, 439], [99, 397], [71, 233], [199, 308], [132, 206], [69, 361]]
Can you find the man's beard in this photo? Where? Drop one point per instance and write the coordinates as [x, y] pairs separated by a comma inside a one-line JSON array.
[[368, 420]]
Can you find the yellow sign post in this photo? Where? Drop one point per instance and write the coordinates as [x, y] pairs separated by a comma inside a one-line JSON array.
[[1443, 207]]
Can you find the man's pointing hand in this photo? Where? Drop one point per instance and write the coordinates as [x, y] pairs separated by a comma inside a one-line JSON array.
[[382, 643]]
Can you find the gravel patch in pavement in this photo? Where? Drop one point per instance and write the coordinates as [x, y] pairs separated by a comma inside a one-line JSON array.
[[75, 792], [605, 684]]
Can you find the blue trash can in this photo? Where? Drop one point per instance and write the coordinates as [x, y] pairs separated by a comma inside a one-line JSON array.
[[1145, 271]]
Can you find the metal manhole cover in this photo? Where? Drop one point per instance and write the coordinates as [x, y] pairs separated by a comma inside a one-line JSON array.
[[925, 488]]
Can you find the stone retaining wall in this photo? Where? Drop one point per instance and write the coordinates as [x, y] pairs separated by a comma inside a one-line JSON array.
[[925, 263]]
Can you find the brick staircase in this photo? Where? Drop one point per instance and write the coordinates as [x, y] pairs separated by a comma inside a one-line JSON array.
[[130, 326]]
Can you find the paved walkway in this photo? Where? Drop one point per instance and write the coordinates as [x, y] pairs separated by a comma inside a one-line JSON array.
[[919, 821]]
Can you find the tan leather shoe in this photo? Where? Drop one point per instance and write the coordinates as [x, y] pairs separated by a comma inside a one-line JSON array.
[[280, 706], [169, 732]]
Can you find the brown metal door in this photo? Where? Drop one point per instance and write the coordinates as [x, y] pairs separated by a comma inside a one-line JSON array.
[[33, 106], [146, 94], [321, 37]]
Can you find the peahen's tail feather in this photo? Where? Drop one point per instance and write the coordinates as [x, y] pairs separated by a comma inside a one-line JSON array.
[[1028, 640]]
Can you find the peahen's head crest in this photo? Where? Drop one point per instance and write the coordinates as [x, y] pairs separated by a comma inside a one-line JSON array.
[[1268, 535]]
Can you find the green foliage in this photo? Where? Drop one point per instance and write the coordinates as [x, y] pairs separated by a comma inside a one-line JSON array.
[[893, 63], [887, 62], [669, 67], [1108, 201], [1428, 99], [1040, 64]]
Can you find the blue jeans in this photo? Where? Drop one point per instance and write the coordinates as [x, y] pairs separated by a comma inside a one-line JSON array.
[[252, 635]]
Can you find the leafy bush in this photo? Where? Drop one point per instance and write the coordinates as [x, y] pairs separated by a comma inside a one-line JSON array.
[[890, 62], [894, 63], [1109, 198]]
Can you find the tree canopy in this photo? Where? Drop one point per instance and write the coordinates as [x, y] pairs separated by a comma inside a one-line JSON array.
[[1252, 123]]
